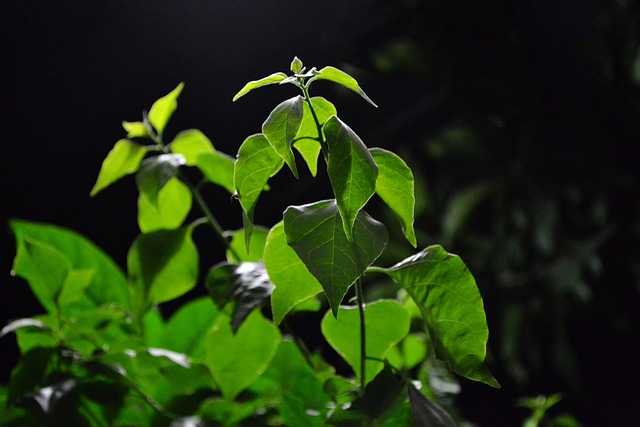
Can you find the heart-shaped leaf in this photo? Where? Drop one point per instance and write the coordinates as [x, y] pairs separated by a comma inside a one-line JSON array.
[[395, 186], [351, 169], [307, 141], [282, 126], [340, 77], [236, 361], [162, 110], [316, 234], [254, 84], [123, 159], [452, 308], [386, 321]]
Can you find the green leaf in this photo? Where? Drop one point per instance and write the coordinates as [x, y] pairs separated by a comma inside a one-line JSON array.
[[451, 305], [395, 186], [123, 159], [186, 330], [162, 265], [307, 141], [352, 170], [135, 129], [155, 172], [30, 372], [46, 254], [162, 110], [246, 284], [292, 280], [217, 168], [387, 322], [22, 323], [315, 232], [254, 84], [256, 162], [296, 65], [340, 77], [191, 143], [74, 286], [237, 246], [282, 126], [425, 412], [236, 361], [172, 206]]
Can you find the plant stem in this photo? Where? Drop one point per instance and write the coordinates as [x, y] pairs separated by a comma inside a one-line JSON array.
[[323, 144], [363, 335]]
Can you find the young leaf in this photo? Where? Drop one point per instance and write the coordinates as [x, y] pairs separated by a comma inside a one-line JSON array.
[[191, 143], [307, 141], [452, 308], [425, 412], [292, 280], [344, 79], [135, 129], [257, 161], [235, 361], [296, 65], [395, 186], [315, 232], [254, 84], [387, 323], [123, 159], [217, 168], [282, 126], [155, 172], [162, 110], [172, 206], [237, 246], [352, 171]]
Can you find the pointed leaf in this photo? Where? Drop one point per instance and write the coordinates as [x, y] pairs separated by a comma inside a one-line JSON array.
[[292, 280], [191, 143], [123, 159], [237, 246], [296, 65], [254, 84], [352, 170], [281, 127], [186, 330], [155, 172], [307, 141], [338, 76], [217, 168], [172, 206], [451, 305], [315, 232], [257, 161], [236, 361], [395, 186], [387, 323], [135, 129], [427, 413], [162, 110]]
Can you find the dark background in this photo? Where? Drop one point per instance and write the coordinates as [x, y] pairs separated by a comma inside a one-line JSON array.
[[536, 104]]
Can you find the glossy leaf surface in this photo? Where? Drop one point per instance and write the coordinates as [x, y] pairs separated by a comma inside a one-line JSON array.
[[316, 234], [155, 172], [162, 110], [452, 308], [172, 206], [292, 280], [191, 143], [254, 84], [352, 171], [395, 186], [123, 159], [282, 126], [307, 141], [387, 322], [340, 77]]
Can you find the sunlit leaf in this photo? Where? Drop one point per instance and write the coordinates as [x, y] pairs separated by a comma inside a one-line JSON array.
[[237, 250], [427, 413], [452, 308], [74, 286], [307, 141], [315, 232], [217, 168], [155, 172], [395, 186], [235, 361], [186, 330], [191, 143], [123, 159], [296, 65], [352, 171], [254, 84], [172, 206], [135, 129], [292, 280], [162, 110], [338, 76], [282, 126], [387, 322]]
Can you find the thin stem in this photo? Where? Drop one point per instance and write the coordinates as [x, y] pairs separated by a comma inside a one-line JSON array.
[[363, 335]]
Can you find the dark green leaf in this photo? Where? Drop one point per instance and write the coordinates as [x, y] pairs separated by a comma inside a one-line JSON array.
[[282, 126], [307, 141], [340, 77], [162, 110], [235, 361], [395, 186], [451, 305], [30, 372], [155, 172], [425, 412], [387, 322], [292, 280], [352, 171], [123, 159], [190, 144], [217, 168], [254, 84], [246, 284], [315, 232], [173, 204]]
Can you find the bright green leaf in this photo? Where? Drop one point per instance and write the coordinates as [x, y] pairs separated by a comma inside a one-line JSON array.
[[340, 77], [386, 321], [254, 84], [237, 247], [307, 141], [217, 168], [155, 172], [352, 170], [315, 232], [172, 206], [292, 280], [123, 159], [395, 186], [296, 65], [282, 126], [186, 330], [162, 110], [75, 285], [191, 143], [451, 305], [235, 361], [135, 129]]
